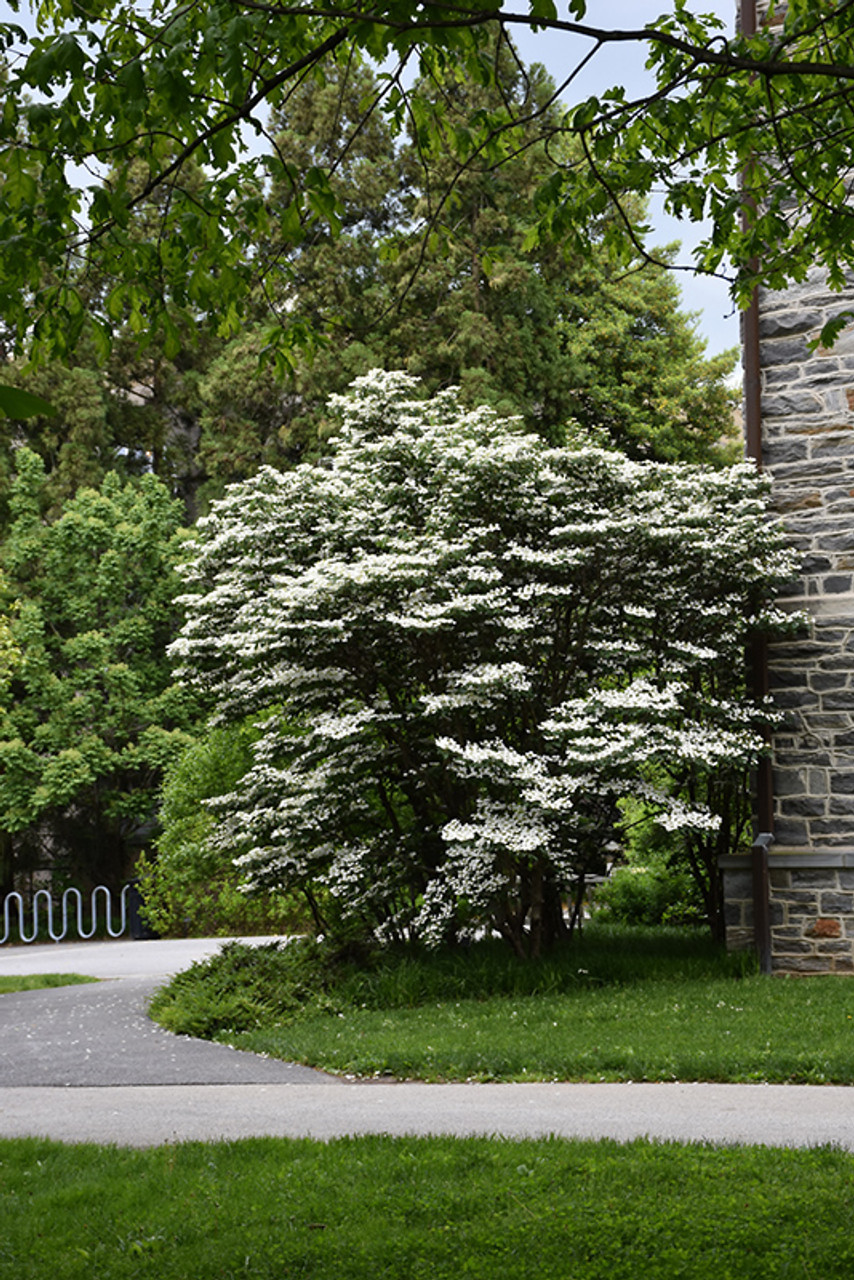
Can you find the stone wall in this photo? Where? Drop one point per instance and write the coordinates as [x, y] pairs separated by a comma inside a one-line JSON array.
[[812, 910], [807, 412], [808, 448]]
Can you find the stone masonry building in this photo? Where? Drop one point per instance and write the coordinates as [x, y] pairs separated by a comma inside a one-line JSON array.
[[807, 446], [794, 897]]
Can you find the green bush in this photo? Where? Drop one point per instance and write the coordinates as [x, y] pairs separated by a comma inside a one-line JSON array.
[[244, 987], [191, 886], [651, 895]]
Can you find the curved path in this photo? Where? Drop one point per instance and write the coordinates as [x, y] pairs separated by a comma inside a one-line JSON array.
[[85, 1064]]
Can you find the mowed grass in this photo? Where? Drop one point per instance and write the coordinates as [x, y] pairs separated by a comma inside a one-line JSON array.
[[757, 1030], [38, 981], [619, 1005], [425, 1209]]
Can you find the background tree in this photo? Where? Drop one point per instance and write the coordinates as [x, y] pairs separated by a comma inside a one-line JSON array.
[[173, 91], [90, 715], [463, 649], [540, 332]]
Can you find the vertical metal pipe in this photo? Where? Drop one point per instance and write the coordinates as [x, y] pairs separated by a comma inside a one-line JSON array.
[[752, 379], [750, 318], [761, 900], [759, 648]]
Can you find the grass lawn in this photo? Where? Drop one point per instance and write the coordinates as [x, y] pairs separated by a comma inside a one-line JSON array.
[[425, 1209], [37, 981], [621, 1004]]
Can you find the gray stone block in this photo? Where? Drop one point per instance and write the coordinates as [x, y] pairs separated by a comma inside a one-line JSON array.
[[738, 884], [806, 806], [804, 880], [796, 947], [791, 783], [831, 830], [837, 904], [781, 351], [791, 320], [791, 833], [837, 700], [795, 699], [826, 681], [832, 947], [800, 964]]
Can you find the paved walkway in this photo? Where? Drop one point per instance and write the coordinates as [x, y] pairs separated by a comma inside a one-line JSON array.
[[86, 1064]]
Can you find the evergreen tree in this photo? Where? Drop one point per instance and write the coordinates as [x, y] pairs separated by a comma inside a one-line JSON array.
[[539, 331]]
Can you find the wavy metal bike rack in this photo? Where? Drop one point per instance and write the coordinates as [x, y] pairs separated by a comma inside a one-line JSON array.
[[43, 896]]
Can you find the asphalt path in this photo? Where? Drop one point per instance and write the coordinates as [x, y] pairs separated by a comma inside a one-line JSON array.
[[85, 1064]]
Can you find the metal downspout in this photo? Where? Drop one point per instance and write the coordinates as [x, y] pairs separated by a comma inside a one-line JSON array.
[[759, 646]]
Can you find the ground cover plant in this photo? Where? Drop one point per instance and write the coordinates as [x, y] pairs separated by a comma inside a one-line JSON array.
[[38, 981], [622, 1004], [417, 1208]]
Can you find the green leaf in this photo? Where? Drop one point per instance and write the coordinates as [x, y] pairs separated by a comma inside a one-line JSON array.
[[545, 9], [15, 403]]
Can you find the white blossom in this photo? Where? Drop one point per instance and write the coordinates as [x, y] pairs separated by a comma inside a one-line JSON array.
[[463, 648]]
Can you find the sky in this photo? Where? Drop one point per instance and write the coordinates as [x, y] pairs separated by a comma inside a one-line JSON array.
[[623, 65]]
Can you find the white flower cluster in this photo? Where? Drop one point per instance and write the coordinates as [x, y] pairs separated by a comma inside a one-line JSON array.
[[464, 647]]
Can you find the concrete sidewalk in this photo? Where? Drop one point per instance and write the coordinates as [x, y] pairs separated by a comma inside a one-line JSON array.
[[766, 1115], [85, 1064], [121, 958]]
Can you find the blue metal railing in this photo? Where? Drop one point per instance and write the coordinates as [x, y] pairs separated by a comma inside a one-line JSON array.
[[43, 896]]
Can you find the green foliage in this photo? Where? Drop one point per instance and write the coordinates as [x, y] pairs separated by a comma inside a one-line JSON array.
[[445, 285], [658, 894], [189, 885], [15, 403], [541, 331], [171, 95], [90, 715], [243, 987]]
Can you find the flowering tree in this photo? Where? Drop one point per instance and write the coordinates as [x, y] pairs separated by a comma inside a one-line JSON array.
[[465, 647]]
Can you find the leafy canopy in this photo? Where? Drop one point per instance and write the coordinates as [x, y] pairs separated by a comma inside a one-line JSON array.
[[540, 332], [463, 648], [183, 91], [89, 713]]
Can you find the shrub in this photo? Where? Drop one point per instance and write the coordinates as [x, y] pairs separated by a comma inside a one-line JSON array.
[[651, 895], [463, 648], [191, 887]]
